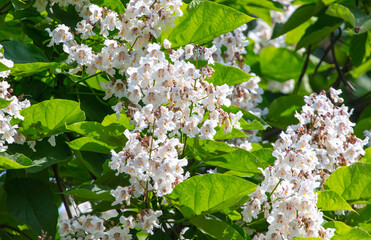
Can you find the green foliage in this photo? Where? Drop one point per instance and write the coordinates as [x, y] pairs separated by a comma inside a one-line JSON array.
[[31, 201], [331, 201], [353, 183], [17, 161], [343, 231], [216, 228], [49, 118], [202, 21], [209, 193]]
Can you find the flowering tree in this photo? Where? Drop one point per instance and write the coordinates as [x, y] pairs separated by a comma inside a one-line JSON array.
[[170, 119]]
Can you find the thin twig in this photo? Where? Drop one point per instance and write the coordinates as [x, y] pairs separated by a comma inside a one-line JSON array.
[[60, 188], [5, 5], [325, 53], [341, 76], [303, 70], [16, 230]]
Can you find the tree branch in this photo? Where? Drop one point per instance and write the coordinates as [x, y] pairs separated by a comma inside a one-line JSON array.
[[60, 188], [303, 70], [16, 230]]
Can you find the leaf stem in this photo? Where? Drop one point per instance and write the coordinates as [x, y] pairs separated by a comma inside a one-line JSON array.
[[60, 188], [303, 70]]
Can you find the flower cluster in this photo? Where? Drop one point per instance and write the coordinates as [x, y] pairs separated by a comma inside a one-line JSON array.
[[151, 159], [13, 106], [91, 227], [141, 23], [306, 154]]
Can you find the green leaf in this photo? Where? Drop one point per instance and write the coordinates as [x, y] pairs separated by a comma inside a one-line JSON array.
[[301, 15], [114, 5], [294, 36], [49, 118], [239, 160], [209, 193], [280, 64], [282, 111], [45, 155], [202, 21], [17, 161], [216, 228], [204, 149], [252, 122], [235, 133], [90, 192], [112, 134], [19, 52], [4, 103], [225, 74], [30, 201], [352, 182], [319, 30], [123, 120], [28, 69], [358, 48], [360, 218], [331, 201], [344, 232], [90, 144], [361, 126], [367, 157], [3, 67], [69, 17], [341, 11]]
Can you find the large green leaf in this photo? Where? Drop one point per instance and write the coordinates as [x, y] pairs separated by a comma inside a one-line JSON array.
[[352, 182], [239, 160], [49, 118], [28, 69], [357, 48], [202, 21], [45, 155], [216, 228], [90, 192], [30, 201], [319, 30], [209, 193], [111, 135], [344, 232], [90, 144], [16, 161], [19, 52], [331, 201], [341, 11], [301, 15], [282, 111]]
